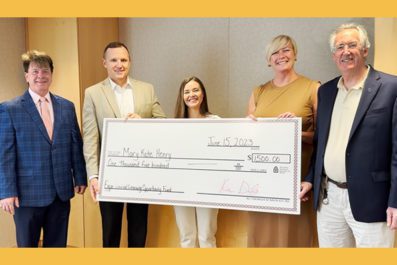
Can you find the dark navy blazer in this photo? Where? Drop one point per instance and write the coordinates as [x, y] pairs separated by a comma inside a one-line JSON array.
[[32, 167], [371, 152]]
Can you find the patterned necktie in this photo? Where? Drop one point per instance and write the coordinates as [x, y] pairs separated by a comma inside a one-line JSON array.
[[45, 115]]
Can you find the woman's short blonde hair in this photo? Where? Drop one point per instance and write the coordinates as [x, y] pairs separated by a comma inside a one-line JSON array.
[[279, 42]]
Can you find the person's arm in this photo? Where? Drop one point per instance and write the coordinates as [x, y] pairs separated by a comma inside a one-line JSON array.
[[251, 105], [8, 204], [307, 137], [307, 183], [78, 162], [8, 178], [304, 192], [91, 145]]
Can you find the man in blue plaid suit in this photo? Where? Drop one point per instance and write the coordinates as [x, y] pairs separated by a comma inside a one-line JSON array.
[[41, 157]]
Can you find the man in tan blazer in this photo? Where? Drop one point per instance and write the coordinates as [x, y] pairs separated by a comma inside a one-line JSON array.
[[118, 96]]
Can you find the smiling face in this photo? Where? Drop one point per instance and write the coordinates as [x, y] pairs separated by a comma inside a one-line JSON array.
[[349, 55], [193, 95], [39, 78], [117, 63], [283, 59]]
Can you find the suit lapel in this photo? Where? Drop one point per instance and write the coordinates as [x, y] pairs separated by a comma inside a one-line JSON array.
[[330, 98], [56, 106], [136, 94], [30, 107], [111, 98], [370, 90]]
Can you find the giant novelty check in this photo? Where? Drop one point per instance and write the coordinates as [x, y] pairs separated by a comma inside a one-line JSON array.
[[218, 163]]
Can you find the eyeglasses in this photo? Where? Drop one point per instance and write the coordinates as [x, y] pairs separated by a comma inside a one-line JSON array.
[[341, 46]]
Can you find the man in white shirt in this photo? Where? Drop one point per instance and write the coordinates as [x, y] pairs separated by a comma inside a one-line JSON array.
[[118, 96], [354, 166]]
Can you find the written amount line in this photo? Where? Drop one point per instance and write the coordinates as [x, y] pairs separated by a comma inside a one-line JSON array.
[[181, 158], [200, 169]]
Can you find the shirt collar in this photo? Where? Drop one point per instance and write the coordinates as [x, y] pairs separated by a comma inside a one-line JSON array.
[[37, 97], [358, 86], [117, 87]]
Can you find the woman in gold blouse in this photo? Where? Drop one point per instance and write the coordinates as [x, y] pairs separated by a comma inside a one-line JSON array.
[[287, 95]]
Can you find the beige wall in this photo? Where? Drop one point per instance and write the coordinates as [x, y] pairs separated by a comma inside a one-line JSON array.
[[386, 45], [12, 45]]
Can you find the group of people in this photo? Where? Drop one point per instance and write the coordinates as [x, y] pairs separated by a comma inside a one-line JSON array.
[[349, 150]]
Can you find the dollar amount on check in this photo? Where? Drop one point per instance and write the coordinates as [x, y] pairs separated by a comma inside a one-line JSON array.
[[219, 163]]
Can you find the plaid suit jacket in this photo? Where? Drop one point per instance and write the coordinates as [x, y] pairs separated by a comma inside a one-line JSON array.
[[32, 167]]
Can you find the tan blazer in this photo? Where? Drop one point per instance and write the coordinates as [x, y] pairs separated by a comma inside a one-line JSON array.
[[99, 103]]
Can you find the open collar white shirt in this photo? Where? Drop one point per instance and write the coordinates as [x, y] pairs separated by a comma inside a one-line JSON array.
[[124, 97], [344, 111]]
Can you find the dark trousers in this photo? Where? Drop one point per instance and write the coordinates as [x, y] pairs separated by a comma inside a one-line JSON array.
[[53, 219], [112, 213]]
